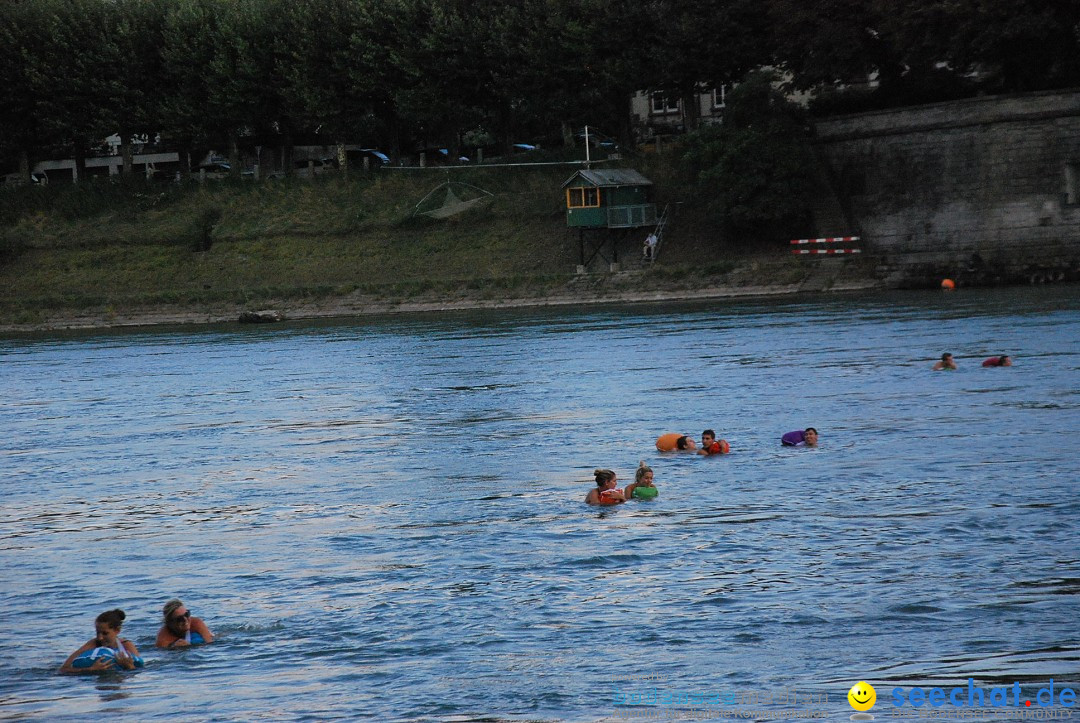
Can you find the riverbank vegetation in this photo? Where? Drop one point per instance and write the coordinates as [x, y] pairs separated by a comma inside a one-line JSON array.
[[240, 244], [196, 76]]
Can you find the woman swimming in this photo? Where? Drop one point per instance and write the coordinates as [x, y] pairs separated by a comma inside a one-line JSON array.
[[180, 629], [605, 492], [106, 650], [642, 487]]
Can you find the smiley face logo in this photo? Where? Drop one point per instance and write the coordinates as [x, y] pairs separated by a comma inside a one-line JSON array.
[[862, 696]]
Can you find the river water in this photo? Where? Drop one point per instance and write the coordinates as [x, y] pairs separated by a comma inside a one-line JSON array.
[[382, 517]]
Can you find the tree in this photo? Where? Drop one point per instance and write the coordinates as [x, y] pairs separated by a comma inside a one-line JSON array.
[[698, 46], [133, 59], [188, 49], [21, 136], [831, 42], [605, 57], [1016, 45], [68, 61], [755, 167]]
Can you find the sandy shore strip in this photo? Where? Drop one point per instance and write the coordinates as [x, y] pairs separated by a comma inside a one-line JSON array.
[[355, 305]]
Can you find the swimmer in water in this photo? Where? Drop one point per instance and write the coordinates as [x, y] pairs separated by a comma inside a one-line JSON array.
[[642, 485], [605, 493], [800, 438], [123, 655], [946, 363], [180, 629], [711, 445], [998, 361], [676, 443]]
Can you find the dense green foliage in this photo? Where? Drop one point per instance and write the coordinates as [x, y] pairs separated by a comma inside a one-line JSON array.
[[111, 247], [754, 169], [404, 73]]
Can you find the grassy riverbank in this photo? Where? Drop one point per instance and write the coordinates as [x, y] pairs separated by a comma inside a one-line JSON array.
[[105, 253]]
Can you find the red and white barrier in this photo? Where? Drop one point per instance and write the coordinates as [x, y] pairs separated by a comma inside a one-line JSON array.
[[830, 240]]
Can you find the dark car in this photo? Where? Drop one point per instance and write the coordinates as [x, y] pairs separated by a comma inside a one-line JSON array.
[[17, 179], [441, 156], [374, 158], [597, 139], [215, 169], [313, 167]]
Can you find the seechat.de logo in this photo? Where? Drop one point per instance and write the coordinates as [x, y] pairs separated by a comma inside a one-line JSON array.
[[972, 696]]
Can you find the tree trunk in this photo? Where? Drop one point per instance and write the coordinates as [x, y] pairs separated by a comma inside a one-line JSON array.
[[691, 110], [80, 161], [287, 154], [24, 165], [625, 131], [185, 158], [234, 156], [126, 152]]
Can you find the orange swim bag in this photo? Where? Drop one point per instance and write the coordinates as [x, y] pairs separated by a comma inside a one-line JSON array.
[[668, 442]]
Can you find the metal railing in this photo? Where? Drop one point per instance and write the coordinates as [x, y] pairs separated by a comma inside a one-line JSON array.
[[631, 216]]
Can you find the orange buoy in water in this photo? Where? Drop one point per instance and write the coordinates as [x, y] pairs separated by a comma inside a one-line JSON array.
[[725, 448], [948, 284]]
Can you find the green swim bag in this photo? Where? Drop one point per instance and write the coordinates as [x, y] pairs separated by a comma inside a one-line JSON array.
[[645, 493]]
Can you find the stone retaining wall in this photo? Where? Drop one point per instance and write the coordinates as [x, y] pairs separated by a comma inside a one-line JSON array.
[[987, 187]]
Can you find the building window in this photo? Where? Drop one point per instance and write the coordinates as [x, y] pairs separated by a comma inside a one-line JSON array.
[[718, 96], [1072, 184], [582, 197], [660, 104]]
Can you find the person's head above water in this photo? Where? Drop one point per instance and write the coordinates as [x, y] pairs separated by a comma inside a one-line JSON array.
[[810, 436], [946, 362], [109, 623], [177, 617], [685, 442], [181, 628], [644, 474], [603, 477]]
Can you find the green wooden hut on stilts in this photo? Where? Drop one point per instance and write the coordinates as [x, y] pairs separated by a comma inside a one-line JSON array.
[[603, 205]]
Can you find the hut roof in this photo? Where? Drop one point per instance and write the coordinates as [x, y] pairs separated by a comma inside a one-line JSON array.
[[611, 177]]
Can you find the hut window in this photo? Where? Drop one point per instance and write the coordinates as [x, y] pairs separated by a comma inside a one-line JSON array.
[[1072, 184], [719, 97], [661, 104], [582, 197]]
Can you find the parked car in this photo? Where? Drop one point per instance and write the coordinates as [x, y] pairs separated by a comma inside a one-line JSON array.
[[17, 179], [309, 167], [441, 156], [375, 158], [214, 169], [597, 139]]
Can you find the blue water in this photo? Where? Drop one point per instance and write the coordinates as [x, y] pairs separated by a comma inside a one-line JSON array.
[[382, 517]]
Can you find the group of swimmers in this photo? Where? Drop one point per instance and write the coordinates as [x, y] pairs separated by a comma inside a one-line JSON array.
[[108, 651], [947, 363], [608, 493]]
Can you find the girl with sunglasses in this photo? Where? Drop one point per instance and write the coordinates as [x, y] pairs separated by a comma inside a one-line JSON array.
[[106, 650], [181, 629]]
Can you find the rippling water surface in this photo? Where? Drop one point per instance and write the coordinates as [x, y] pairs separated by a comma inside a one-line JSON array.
[[383, 517]]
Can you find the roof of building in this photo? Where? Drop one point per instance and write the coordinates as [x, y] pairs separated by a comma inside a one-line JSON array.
[[611, 177]]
